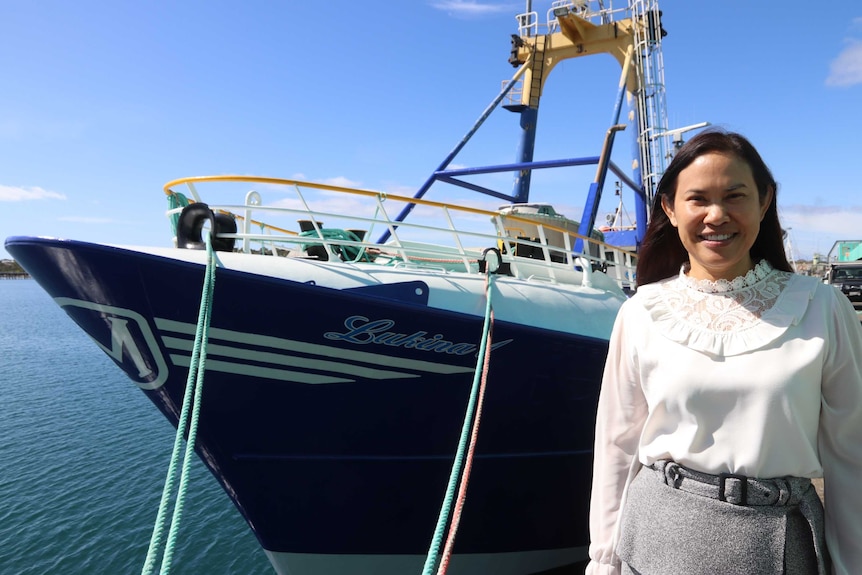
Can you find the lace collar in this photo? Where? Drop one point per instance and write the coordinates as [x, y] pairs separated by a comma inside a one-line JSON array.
[[752, 311], [758, 273]]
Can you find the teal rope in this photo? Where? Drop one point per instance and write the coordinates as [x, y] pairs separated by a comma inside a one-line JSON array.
[[434, 551], [194, 382], [176, 200], [351, 253]]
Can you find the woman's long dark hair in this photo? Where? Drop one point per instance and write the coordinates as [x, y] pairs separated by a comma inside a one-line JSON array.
[[661, 253]]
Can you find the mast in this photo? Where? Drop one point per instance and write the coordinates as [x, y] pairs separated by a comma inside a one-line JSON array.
[[654, 149], [576, 28]]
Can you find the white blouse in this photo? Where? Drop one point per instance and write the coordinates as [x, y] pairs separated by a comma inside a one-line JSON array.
[[761, 376]]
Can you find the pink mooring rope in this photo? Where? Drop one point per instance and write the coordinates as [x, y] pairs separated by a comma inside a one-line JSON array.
[[468, 464]]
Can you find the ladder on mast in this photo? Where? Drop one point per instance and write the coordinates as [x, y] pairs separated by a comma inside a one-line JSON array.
[[651, 105]]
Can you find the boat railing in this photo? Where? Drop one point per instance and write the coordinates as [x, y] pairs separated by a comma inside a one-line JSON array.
[[594, 11], [327, 222]]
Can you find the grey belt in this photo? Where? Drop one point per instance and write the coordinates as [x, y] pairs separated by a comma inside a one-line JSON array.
[[732, 488]]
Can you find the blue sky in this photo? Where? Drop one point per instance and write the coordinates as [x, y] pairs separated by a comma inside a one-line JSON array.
[[102, 103]]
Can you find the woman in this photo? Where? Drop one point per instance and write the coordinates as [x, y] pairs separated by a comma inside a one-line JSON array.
[[729, 383]]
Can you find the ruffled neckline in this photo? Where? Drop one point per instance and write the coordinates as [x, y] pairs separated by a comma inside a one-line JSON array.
[[759, 272], [754, 312]]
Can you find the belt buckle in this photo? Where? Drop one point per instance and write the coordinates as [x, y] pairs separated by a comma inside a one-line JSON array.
[[785, 491], [722, 484], [672, 474]]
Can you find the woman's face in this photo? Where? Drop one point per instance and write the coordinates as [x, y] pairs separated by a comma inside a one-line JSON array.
[[717, 212]]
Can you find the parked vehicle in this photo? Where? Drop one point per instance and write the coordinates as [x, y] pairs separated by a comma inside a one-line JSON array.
[[844, 271]]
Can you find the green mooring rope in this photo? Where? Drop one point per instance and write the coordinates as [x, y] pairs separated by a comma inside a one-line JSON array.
[[176, 200], [194, 387], [434, 552]]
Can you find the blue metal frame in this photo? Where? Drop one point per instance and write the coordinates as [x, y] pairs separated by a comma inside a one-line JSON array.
[[523, 168]]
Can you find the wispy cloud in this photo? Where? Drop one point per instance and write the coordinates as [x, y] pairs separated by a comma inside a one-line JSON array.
[[819, 210], [342, 182], [19, 194], [846, 68], [400, 190], [471, 8], [816, 227]]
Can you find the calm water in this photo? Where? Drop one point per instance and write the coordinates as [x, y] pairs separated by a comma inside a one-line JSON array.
[[83, 457]]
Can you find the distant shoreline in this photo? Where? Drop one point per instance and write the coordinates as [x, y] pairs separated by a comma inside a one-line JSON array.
[[11, 270]]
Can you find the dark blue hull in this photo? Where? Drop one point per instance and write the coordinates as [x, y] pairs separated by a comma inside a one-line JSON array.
[[335, 441]]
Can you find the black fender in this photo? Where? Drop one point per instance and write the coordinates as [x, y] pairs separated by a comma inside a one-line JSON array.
[[191, 223]]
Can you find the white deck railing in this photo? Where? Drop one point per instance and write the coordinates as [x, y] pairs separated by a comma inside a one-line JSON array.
[[342, 223]]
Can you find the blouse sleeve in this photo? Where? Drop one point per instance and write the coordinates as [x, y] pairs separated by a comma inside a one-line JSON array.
[[840, 438], [622, 410]]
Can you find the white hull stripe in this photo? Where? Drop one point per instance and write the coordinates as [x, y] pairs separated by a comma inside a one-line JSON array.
[[280, 345], [261, 372], [284, 359], [515, 563]]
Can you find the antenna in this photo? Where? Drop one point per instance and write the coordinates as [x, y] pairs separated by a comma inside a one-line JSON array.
[[678, 132]]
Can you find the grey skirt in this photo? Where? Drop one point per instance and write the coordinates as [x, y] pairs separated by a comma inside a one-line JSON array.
[[679, 521]]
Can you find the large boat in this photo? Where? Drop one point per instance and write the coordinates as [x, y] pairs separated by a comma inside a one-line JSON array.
[[345, 326]]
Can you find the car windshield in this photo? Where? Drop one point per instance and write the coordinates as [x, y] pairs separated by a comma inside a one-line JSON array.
[[848, 273]]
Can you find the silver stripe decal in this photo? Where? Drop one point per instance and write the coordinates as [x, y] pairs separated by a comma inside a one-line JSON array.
[[287, 360], [312, 348], [256, 371]]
